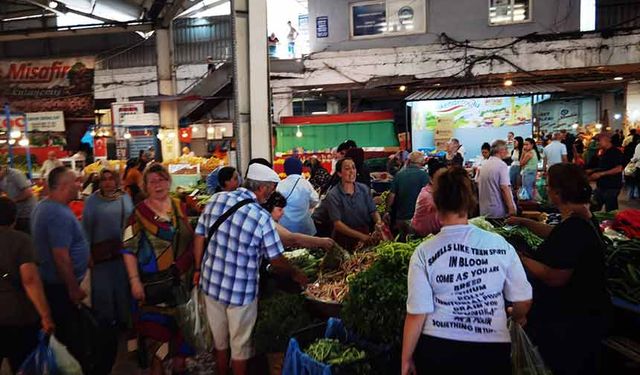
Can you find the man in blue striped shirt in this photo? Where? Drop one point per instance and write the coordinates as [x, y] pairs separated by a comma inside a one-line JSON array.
[[231, 263]]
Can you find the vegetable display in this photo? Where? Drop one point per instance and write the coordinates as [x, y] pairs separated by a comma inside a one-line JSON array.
[[308, 263], [623, 269], [382, 206], [376, 304], [333, 352], [510, 233], [332, 286], [278, 317]]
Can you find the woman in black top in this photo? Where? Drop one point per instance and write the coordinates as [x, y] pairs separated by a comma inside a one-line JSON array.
[[570, 303]]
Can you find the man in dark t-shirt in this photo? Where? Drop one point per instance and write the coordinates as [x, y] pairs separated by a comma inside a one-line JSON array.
[[608, 175]]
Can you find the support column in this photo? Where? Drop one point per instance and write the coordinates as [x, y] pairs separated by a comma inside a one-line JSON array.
[[251, 86], [166, 86]]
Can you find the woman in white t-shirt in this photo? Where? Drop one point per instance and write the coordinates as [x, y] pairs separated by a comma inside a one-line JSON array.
[[458, 281]]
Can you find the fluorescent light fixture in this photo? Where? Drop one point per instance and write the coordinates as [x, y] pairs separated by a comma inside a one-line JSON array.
[[618, 78]]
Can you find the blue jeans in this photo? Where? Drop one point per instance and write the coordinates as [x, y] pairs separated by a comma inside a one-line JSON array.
[[292, 49], [529, 182], [514, 172]]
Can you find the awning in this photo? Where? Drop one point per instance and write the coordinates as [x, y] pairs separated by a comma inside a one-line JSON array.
[[481, 92]]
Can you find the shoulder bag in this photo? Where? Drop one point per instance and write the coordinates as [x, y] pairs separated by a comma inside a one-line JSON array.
[[108, 249], [165, 287]]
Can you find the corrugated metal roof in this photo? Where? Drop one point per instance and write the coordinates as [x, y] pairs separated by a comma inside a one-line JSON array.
[[481, 92]]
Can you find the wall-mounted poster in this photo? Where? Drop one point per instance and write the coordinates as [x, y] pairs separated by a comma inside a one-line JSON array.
[[472, 121], [322, 27]]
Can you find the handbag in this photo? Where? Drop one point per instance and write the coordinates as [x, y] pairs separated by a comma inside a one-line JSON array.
[[165, 287], [630, 169], [108, 249]]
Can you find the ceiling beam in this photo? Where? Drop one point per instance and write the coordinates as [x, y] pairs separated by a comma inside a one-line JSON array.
[[173, 11], [111, 28]]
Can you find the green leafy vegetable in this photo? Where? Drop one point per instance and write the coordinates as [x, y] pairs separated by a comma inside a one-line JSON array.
[[278, 317], [333, 352]]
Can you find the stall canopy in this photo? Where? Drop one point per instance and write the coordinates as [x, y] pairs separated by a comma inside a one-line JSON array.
[[481, 92], [321, 132]]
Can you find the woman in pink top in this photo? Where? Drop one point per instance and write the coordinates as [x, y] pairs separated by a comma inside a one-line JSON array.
[[425, 218]]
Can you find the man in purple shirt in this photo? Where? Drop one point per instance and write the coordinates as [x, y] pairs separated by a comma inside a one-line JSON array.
[[494, 185]]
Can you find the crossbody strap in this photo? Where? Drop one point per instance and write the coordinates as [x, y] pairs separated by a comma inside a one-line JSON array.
[[293, 189], [224, 218]]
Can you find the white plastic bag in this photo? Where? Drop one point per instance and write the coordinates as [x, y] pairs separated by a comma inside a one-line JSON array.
[[192, 318], [67, 365], [523, 194], [525, 358]]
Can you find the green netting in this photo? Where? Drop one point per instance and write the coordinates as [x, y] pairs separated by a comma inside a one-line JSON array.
[[322, 137]]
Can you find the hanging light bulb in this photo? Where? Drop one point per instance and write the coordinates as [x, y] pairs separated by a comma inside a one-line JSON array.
[[15, 134], [299, 132], [12, 141], [508, 82], [598, 126], [24, 142], [127, 135], [575, 126]]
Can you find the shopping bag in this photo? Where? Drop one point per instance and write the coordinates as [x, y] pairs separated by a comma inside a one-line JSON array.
[[525, 358], [523, 194], [630, 169], [192, 319], [42, 361], [67, 365], [99, 339]]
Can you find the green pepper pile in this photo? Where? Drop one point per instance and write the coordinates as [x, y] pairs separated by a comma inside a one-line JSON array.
[[333, 352], [382, 207]]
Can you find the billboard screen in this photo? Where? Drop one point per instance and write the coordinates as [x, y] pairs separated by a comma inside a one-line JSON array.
[[472, 121]]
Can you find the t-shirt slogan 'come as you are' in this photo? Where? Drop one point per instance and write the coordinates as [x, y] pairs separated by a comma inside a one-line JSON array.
[[460, 279]]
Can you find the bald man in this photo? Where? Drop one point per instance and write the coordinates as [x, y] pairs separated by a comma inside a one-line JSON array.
[[50, 164], [63, 253]]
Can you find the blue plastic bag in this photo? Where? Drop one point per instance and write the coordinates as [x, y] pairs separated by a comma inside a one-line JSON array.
[[42, 361]]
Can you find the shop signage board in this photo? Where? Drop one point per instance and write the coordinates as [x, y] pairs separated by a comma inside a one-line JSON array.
[[49, 85], [119, 112], [554, 116], [368, 18], [38, 121], [322, 27], [390, 17], [472, 121]]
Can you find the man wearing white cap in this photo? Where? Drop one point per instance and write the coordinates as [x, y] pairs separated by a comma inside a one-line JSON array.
[[241, 235]]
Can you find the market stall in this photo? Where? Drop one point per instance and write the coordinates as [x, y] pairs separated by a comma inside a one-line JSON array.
[[317, 135]]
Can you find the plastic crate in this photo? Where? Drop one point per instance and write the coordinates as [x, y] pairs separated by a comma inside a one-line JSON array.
[[297, 362]]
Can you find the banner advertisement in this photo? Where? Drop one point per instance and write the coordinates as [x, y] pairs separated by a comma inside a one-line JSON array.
[[38, 122], [388, 17], [472, 121], [64, 85]]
